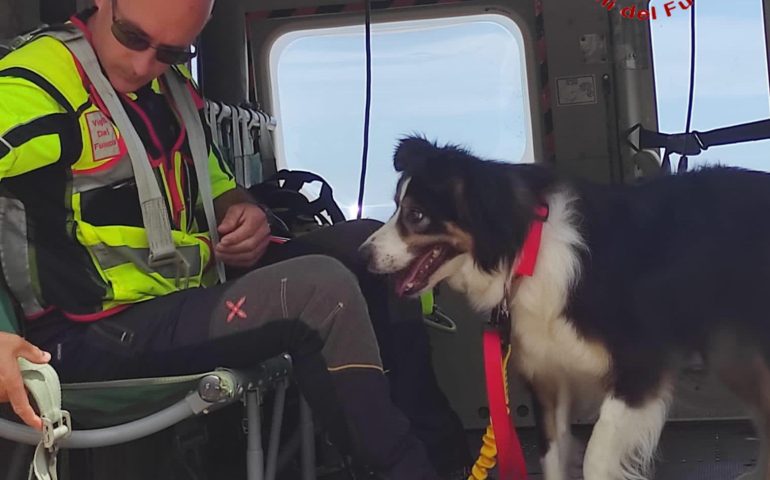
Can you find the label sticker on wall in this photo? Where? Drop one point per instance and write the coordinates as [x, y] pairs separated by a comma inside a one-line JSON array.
[[576, 90]]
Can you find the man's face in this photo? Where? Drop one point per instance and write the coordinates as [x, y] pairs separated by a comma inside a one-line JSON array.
[[168, 23]]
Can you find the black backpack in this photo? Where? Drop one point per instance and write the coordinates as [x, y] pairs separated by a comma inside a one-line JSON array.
[[296, 213]]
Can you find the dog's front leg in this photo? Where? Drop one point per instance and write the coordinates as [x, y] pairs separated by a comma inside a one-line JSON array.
[[624, 439], [557, 445]]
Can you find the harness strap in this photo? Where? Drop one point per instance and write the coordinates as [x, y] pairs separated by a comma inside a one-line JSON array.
[[43, 385], [747, 132], [197, 141], [266, 150]]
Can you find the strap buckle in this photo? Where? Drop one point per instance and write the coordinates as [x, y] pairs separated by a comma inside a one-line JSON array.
[[683, 144], [500, 318], [55, 431], [176, 259], [439, 320]]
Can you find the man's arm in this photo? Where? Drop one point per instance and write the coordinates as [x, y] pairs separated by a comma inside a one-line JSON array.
[[31, 126]]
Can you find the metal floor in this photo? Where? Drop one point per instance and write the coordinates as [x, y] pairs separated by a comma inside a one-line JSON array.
[[713, 450]]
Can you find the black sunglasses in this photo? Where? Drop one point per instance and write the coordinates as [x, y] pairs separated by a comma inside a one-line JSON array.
[[133, 38]]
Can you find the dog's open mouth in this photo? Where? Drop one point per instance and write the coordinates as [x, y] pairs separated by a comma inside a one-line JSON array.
[[416, 275]]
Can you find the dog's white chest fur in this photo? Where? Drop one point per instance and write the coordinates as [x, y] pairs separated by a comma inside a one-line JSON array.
[[553, 347], [553, 353]]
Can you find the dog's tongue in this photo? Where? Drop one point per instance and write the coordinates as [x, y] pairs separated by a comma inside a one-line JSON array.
[[415, 277]]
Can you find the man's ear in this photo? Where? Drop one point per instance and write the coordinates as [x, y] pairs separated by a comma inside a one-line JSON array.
[[412, 153]]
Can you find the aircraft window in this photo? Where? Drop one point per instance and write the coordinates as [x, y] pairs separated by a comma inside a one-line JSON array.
[[460, 80], [731, 78]]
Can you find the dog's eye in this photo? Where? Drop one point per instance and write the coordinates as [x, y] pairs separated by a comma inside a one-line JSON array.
[[414, 216]]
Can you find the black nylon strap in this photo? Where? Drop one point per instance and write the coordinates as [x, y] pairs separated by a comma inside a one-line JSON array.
[[681, 143], [696, 142], [747, 132]]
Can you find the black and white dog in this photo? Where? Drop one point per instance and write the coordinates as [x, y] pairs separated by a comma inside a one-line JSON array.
[[629, 282]]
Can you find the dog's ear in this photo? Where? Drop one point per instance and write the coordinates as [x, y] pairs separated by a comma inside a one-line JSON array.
[[412, 153]]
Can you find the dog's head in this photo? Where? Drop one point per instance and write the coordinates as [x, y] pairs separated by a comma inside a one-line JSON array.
[[454, 212]]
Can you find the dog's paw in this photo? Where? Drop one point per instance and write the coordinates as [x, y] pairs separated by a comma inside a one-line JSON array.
[[575, 462]]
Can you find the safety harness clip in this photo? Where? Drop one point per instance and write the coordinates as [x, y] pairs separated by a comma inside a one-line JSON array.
[[54, 431]]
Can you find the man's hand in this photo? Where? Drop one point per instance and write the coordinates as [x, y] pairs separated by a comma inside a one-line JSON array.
[[244, 235], [11, 385]]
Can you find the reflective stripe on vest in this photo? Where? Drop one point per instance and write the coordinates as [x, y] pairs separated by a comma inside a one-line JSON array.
[[15, 255], [110, 257]]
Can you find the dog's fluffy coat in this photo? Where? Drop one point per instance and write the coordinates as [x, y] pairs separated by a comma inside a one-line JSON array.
[[629, 282]]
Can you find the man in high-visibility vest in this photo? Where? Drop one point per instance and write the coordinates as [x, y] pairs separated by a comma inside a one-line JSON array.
[[77, 248]]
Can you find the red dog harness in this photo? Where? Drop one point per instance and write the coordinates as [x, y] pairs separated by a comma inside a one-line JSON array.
[[510, 457]]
